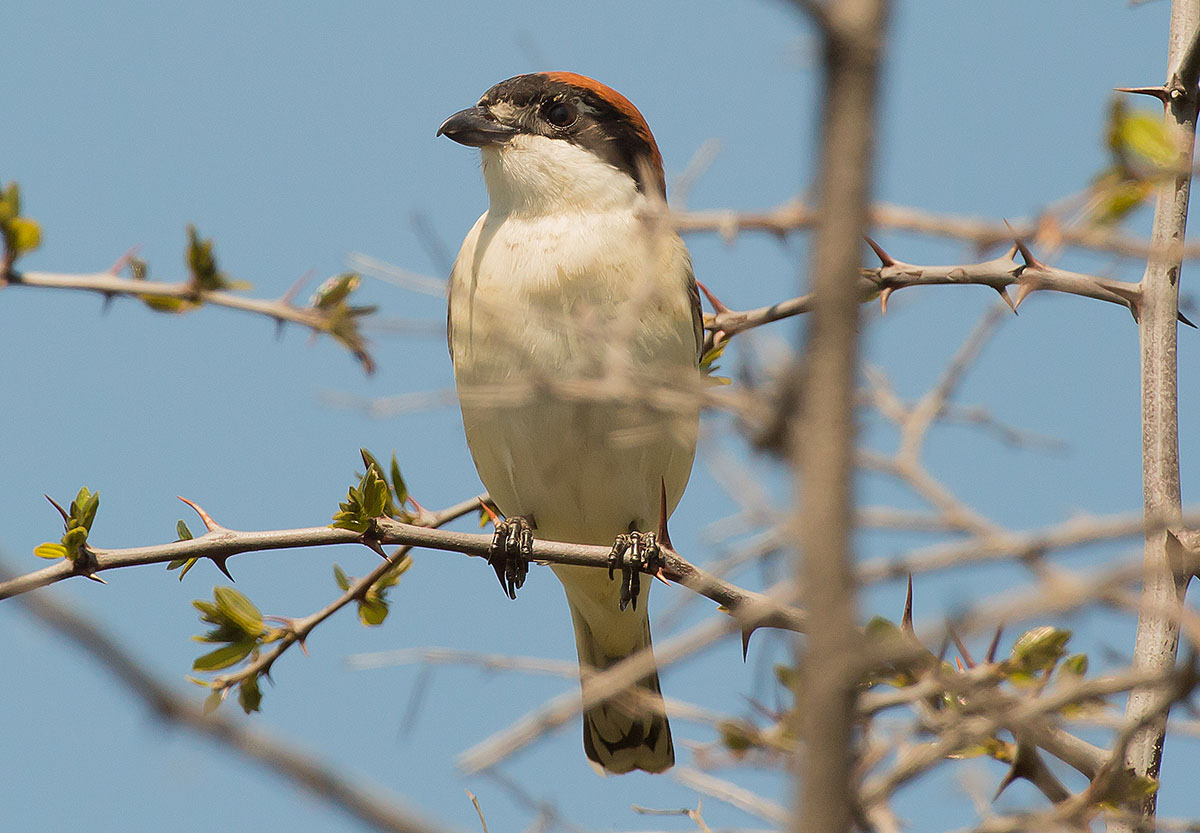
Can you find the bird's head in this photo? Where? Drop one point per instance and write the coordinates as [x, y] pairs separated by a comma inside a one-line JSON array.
[[554, 141]]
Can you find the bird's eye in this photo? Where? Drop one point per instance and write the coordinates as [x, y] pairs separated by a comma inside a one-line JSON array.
[[559, 113]]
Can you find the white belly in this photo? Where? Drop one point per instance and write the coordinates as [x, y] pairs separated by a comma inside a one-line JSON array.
[[576, 370]]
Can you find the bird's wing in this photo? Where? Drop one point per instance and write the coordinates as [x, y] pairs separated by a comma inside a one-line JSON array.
[[697, 311]]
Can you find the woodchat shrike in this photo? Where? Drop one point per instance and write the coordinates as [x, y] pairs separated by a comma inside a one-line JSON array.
[[575, 332]]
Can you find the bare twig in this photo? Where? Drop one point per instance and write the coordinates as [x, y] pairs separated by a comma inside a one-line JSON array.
[[611, 682], [1005, 546], [324, 782], [795, 215], [732, 794], [454, 656]]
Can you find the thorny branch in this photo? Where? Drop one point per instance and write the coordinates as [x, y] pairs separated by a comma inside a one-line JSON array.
[[1028, 276], [219, 543], [1165, 579], [298, 630], [281, 310]]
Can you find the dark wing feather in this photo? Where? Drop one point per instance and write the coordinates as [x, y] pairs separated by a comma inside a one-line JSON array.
[[697, 311]]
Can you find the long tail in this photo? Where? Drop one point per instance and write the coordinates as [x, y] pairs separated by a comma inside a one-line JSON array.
[[619, 735]]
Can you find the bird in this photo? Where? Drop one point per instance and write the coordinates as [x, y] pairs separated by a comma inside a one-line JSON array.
[[575, 331]]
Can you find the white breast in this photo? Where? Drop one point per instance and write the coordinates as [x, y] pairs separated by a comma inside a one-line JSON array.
[[574, 350]]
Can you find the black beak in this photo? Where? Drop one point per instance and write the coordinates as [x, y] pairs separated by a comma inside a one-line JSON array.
[[475, 127]]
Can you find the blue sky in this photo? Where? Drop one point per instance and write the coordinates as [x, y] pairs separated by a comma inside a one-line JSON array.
[[296, 134]]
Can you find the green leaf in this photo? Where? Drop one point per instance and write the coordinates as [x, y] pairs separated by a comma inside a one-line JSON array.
[[1039, 649], [1146, 136], [212, 701], [186, 563], [335, 290], [372, 612], [1075, 665], [50, 549], [22, 235], [398, 484], [224, 656], [12, 197], [208, 610], [81, 498], [993, 747], [392, 576], [240, 611], [201, 262], [737, 736], [1127, 787], [181, 529], [788, 676], [84, 508], [339, 575], [74, 539], [250, 695], [350, 521], [375, 493], [709, 359], [881, 628], [165, 303]]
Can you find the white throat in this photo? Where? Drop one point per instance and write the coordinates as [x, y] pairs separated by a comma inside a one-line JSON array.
[[536, 175]]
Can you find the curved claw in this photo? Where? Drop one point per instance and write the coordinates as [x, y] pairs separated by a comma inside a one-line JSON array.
[[512, 547], [635, 553]]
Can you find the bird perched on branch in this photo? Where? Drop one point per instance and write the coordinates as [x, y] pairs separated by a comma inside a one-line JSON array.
[[575, 331]]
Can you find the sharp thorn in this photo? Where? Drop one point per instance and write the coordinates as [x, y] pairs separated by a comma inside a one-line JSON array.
[[884, 294], [962, 649], [106, 304], [1158, 92], [295, 288], [279, 322], [209, 523], [1004, 785], [222, 566], [1184, 319], [746, 634], [1023, 291], [664, 537], [95, 578], [376, 547], [1004, 296], [991, 651], [1031, 262], [490, 513], [61, 511], [713, 300], [906, 620], [124, 259], [884, 258]]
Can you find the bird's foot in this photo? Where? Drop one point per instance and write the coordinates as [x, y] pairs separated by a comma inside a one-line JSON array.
[[634, 554], [512, 547]]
